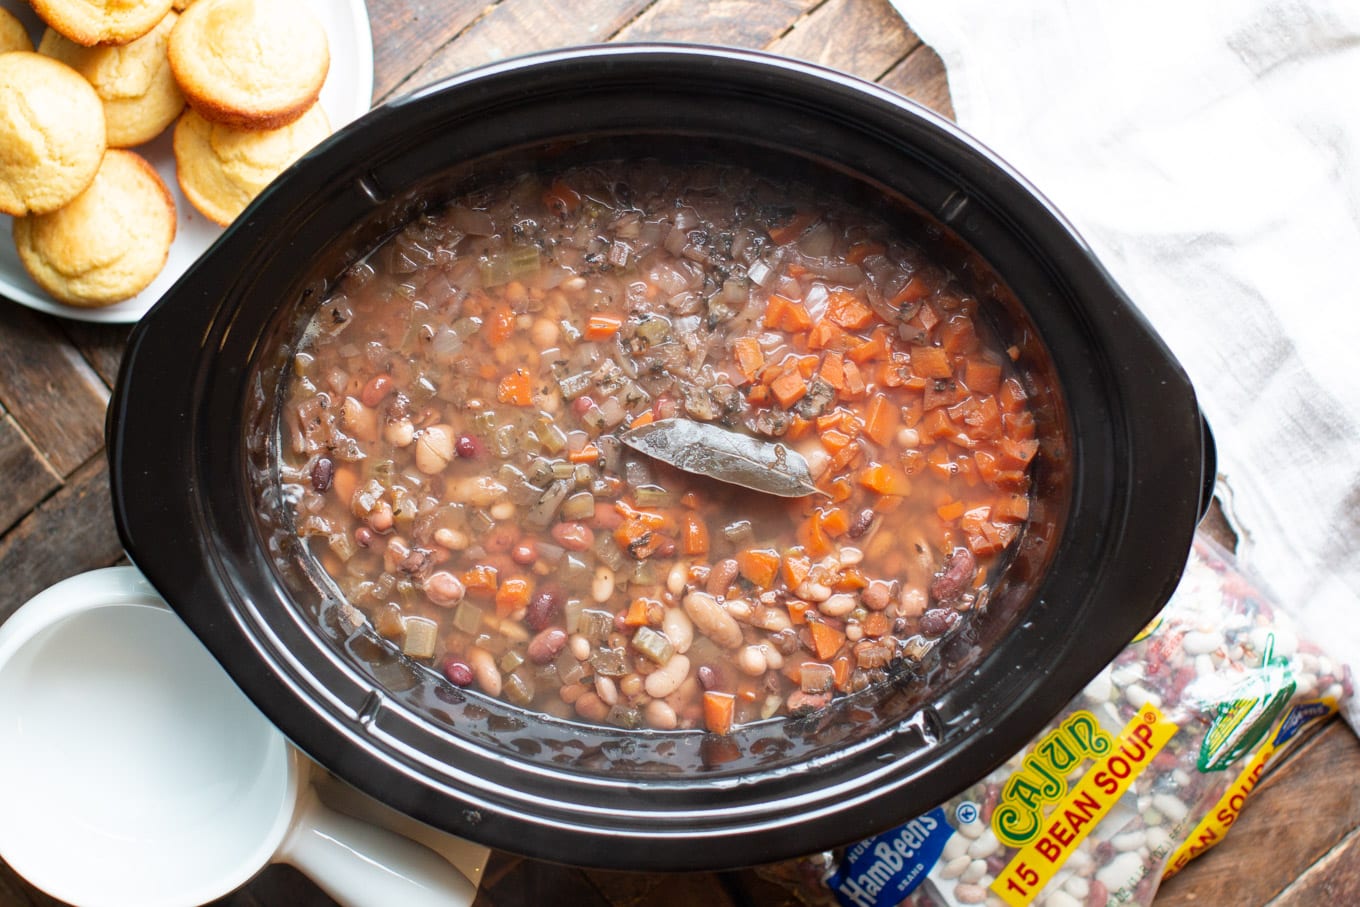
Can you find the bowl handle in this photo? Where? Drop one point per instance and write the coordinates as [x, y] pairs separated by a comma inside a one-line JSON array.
[[1209, 473], [361, 865]]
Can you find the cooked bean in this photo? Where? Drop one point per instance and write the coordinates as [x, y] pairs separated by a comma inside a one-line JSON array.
[[679, 629], [484, 670], [443, 588], [591, 707], [322, 472], [712, 620], [546, 645], [721, 577], [606, 689], [956, 577], [602, 586], [837, 605], [573, 536], [659, 715], [434, 449], [667, 678], [751, 660], [544, 608]]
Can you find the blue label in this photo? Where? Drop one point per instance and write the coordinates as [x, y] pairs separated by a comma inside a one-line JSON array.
[[1298, 717], [884, 869]]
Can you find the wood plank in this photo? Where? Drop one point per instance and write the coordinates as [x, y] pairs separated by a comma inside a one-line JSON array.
[[1304, 809], [516, 27], [71, 532], [737, 23], [28, 478], [921, 77], [50, 389], [1335, 879], [862, 37], [102, 345], [406, 34]]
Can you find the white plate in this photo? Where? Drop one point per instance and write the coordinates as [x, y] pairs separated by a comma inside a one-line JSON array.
[[345, 97]]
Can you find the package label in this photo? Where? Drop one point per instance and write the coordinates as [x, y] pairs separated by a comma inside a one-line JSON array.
[[884, 869], [1072, 818]]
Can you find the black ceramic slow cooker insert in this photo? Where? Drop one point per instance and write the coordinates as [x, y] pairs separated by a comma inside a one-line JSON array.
[[1121, 474]]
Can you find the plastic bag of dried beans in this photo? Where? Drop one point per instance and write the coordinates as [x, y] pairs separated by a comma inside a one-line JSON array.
[[1144, 770]]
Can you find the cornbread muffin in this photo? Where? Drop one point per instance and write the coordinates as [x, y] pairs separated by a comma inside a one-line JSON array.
[[109, 243], [220, 168], [251, 64], [133, 80], [13, 35], [91, 22], [51, 133]]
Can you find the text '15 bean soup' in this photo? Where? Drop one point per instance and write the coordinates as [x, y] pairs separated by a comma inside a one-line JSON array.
[[657, 447]]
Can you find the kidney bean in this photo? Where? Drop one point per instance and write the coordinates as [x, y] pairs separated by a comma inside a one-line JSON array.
[[861, 523], [956, 577], [712, 619], [573, 536], [322, 473], [378, 387], [459, 673], [545, 646], [469, 447], [708, 677], [544, 608], [721, 576], [938, 621]]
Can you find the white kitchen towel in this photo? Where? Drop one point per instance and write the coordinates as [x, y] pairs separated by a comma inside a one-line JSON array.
[[1210, 154]]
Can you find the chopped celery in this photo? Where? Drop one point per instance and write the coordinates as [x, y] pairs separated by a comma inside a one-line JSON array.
[[511, 660], [653, 645], [579, 506], [609, 662], [421, 635], [467, 618], [653, 496], [517, 689], [596, 624]]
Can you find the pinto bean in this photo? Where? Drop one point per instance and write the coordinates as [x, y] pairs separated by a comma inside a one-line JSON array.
[[721, 576], [546, 645], [484, 670]]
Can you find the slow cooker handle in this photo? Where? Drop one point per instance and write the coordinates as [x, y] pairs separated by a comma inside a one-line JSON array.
[[1208, 466]]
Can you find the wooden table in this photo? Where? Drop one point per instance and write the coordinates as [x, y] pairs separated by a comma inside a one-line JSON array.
[[1298, 841]]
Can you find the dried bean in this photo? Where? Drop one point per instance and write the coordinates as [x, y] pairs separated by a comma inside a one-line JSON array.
[[484, 670], [573, 536], [679, 629], [546, 645], [938, 621], [721, 576], [956, 577], [322, 473], [667, 679], [712, 620], [545, 607]]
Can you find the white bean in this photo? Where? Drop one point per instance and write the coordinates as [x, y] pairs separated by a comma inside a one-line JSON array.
[[502, 511], [679, 629], [580, 646], [970, 894], [667, 679], [837, 605], [399, 433], [676, 579], [751, 661], [974, 872], [602, 586], [985, 845], [606, 689], [658, 714], [484, 670], [849, 556], [712, 619], [434, 449], [739, 608], [1170, 806], [954, 867], [452, 539]]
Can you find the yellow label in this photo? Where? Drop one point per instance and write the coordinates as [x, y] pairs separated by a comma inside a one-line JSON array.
[[1072, 818], [1215, 825]]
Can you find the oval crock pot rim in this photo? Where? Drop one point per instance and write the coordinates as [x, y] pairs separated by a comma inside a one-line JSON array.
[[227, 638]]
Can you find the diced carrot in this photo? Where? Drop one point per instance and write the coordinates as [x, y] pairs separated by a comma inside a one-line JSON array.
[[930, 362], [982, 375], [774, 310], [833, 370], [588, 454], [840, 672], [851, 580], [937, 424], [1017, 453], [826, 639], [646, 418], [912, 411], [807, 366], [481, 581], [828, 421], [602, 327], [759, 566], [637, 613], [826, 335], [512, 595], [926, 318], [876, 624], [876, 347], [884, 479], [811, 536], [788, 389], [835, 441], [916, 288], [846, 310], [951, 511], [561, 198], [516, 388], [840, 490], [798, 610], [941, 462], [749, 357], [794, 228], [1011, 509], [940, 392], [957, 335], [854, 381], [693, 534], [719, 709], [880, 420], [646, 517], [862, 250], [758, 395], [845, 457], [1018, 426], [795, 318], [500, 324], [798, 428], [796, 566], [836, 522], [1011, 396]]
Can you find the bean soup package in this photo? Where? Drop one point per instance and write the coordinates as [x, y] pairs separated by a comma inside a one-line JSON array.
[[1144, 770]]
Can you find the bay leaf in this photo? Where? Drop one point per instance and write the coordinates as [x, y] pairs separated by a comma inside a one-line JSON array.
[[705, 449]]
